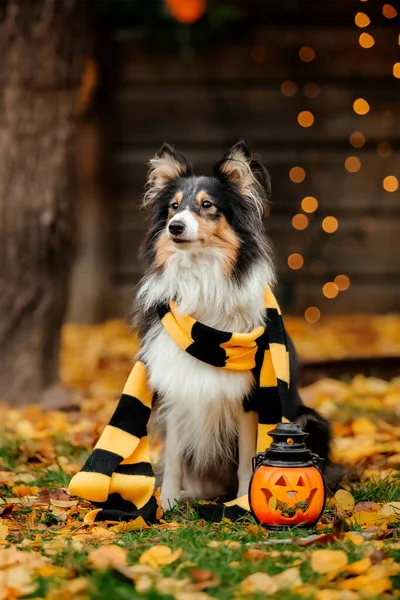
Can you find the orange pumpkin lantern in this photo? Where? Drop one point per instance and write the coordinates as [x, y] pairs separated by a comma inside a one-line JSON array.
[[187, 11], [286, 487]]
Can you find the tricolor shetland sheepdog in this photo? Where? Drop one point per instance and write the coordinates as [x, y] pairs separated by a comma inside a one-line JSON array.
[[207, 250]]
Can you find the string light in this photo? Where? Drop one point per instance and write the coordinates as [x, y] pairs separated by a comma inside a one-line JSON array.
[[391, 183], [352, 164], [366, 40], [330, 224], [311, 90], [297, 174], [357, 139], [305, 118], [300, 221], [288, 88], [396, 70], [389, 11], [330, 290], [309, 204], [342, 282], [307, 54], [385, 149], [258, 54], [295, 261], [360, 106], [312, 314], [362, 20]]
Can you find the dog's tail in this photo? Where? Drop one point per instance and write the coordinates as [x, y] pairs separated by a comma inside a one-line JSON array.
[[318, 429]]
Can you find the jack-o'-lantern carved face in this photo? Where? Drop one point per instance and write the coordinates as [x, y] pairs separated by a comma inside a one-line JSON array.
[[280, 496]]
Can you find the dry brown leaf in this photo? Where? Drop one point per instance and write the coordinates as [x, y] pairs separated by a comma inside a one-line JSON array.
[[159, 556], [258, 582], [255, 554], [326, 561], [345, 500], [204, 579]]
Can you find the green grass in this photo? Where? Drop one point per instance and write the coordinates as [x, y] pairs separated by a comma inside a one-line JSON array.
[[193, 537]]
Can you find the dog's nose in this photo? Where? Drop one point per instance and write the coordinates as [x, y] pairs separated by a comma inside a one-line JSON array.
[[176, 227]]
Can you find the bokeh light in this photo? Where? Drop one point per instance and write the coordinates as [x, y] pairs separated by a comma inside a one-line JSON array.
[[297, 174], [360, 106], [342, 282], [352, 164], [330, 290], [305, 118], [389, 11], [391, 183], [396, 70], [312, 314], [300, 221], [357, 139], [307, 54], [362, 20], [385, 149], [288, 88], [311, 90], [366, 40], [309, 204], [330, 224], [295, 261]]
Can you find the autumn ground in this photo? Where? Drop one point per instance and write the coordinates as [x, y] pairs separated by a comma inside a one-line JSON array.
[[47, 551]]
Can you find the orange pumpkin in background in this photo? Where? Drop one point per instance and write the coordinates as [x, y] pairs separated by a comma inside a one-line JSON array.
[[186, 11], [287, 488]]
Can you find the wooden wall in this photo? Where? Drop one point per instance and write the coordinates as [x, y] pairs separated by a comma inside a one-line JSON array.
[[232, 91]]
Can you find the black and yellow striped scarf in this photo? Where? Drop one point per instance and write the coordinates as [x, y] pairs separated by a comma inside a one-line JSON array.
[[118, 476]]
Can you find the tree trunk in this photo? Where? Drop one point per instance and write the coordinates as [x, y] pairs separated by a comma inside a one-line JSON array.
[[42, 50]]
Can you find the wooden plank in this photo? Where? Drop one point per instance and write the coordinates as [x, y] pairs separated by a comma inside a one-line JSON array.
[[338, 55], [212, 116]]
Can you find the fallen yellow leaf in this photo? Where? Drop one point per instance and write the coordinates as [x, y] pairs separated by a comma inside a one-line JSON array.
[[105, 557], [159, 556], [3, 530], [345, 500], [366, 519], [359, 567], [288, 579], [335, 595], [326, 561], [258, 582], [363, 426], [135, 525]]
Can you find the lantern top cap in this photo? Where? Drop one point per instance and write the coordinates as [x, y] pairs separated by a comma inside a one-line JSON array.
[[288, 447]]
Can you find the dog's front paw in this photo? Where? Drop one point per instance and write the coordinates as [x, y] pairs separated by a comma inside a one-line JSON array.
[[169, 498]]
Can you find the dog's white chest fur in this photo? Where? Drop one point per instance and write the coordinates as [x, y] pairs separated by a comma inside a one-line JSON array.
[[203, 402]]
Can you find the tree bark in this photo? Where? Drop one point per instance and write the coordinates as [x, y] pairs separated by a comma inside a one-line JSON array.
[[42, 50]]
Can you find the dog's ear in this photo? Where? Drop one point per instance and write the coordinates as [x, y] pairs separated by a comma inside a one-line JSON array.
[[245, 170], [166, 166]]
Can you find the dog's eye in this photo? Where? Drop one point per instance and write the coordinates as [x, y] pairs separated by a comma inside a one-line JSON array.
[[174, 205], [206, 204]]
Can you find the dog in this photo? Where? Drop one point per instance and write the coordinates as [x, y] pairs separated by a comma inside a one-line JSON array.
[[207, 250]]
